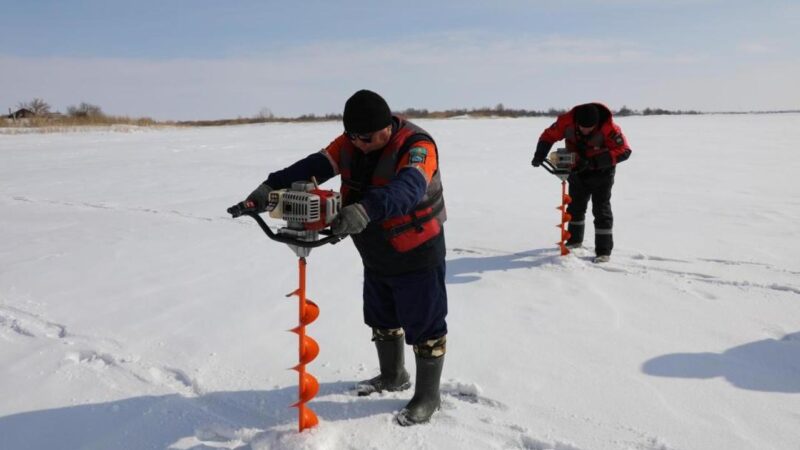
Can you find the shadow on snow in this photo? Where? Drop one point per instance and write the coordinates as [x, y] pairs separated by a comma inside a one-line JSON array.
[[468, 269], [158, 421], [770, 365]]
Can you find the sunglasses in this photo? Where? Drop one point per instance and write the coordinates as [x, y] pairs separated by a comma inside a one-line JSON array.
[[363, 137]]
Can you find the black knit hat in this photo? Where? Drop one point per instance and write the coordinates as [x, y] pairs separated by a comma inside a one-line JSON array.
[[587, 115], [366, 112]]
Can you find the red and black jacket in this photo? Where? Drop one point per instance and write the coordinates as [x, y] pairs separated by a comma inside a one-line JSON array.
[[603, 148]]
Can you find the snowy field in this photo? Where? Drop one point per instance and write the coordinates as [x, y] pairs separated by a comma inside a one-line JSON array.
[[134, 314]]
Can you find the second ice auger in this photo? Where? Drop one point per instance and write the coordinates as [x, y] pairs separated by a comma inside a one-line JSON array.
[[560, 163]]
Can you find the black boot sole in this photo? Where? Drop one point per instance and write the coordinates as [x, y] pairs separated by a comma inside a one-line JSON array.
[[404, 420]]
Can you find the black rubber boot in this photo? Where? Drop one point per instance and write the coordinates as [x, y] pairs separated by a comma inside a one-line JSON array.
[[394, 376], [603, 243], [426, 398], [576, 234]]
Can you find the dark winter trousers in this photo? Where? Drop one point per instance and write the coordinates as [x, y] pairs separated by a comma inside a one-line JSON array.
[[415, 301], [595, 185]]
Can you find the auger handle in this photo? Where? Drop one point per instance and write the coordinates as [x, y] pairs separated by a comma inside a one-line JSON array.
[[548, 166], [562, 174], [239, 210]]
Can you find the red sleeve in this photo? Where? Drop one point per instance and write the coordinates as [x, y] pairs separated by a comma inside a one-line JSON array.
[[555, 132], [616, 148], [617, 144]]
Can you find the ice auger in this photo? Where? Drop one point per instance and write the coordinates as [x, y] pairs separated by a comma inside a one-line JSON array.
[[308, 211], [560, 164]]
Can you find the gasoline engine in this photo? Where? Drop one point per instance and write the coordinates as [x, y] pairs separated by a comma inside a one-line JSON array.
[[306, 209]]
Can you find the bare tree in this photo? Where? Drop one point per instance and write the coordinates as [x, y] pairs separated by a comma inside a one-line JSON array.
[[38, 106], [625, 111], [85, 110], [265, 113]]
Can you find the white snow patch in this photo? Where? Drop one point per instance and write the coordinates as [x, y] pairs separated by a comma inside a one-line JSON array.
[[134, 313]]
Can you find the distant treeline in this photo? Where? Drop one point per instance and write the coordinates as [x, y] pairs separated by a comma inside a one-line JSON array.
[[258, 119], [502, 111], [414, 113], [36, 113]]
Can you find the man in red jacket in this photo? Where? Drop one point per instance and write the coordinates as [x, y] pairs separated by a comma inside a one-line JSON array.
[[599, 145]]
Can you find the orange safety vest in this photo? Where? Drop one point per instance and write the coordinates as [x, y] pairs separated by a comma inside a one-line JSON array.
[[425, 221]]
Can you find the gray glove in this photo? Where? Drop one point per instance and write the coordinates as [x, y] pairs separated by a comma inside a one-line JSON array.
[[352, 219], [259, 198]]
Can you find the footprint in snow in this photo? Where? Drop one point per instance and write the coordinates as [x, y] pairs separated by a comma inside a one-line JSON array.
[[468, 392]]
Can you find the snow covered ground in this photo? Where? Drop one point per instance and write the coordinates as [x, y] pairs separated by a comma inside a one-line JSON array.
[[134, 314]]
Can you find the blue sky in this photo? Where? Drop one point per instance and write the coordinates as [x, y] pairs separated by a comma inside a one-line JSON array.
[[189, 59]]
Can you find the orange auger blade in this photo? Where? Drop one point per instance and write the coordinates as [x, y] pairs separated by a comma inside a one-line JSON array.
[[308, 349], [306, 418], [565, 218], [308, 388], [309, 313]]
